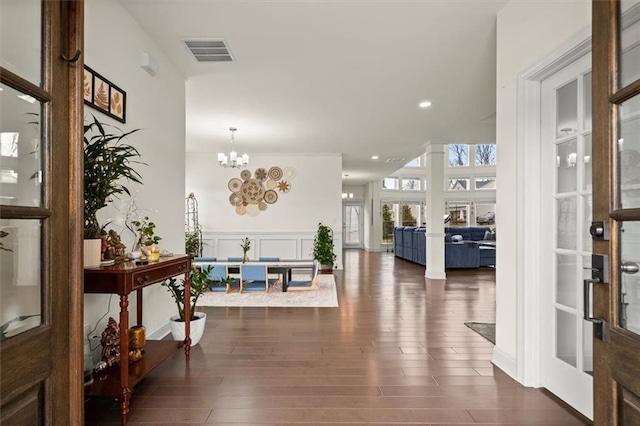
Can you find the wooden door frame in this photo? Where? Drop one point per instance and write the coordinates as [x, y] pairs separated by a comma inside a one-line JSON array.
[[609, 366], [61, 400]]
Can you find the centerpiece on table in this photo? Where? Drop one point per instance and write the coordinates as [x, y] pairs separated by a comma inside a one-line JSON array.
[[246, 246]]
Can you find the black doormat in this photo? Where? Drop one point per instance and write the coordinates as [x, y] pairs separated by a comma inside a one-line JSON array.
[[485, 329]]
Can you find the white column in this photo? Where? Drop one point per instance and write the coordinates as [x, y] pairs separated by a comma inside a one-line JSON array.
[[435, 211]]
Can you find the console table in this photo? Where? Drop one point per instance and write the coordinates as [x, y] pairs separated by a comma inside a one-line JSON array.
[[122, 279]]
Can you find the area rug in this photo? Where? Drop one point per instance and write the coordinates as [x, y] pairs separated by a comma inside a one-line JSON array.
[[485, 329], [325, 296]]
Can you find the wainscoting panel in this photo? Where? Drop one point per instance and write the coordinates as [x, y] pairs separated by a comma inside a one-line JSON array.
[[285, 245], [282, 248]]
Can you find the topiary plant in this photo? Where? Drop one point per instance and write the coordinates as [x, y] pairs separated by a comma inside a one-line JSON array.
[[323, 246]]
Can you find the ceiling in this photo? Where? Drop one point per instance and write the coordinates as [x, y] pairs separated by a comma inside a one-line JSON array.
[[333, 76]]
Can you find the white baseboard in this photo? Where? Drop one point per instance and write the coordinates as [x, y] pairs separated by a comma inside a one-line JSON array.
[[505, 363], [435, 275], [160, 332]]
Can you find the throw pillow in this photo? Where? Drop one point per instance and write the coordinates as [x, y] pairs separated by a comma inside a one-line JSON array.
[[456, 238], [447, 238]]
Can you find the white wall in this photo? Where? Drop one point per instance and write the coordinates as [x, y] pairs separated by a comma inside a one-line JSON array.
[[315, 196], [156, 105], [526, 32]]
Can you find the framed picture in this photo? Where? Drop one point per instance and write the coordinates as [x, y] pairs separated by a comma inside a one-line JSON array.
[[103, 95]]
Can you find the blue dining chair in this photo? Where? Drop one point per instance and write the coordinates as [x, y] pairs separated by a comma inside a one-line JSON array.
[[254, 277], [220, 273], [204, 259], [268, 259], [234, 259], [310, 284]]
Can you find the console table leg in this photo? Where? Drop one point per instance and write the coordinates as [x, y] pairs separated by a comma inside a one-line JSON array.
[[187, 314], [124, 406]]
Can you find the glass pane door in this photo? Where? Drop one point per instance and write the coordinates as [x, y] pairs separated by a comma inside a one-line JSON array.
[[352, 225]]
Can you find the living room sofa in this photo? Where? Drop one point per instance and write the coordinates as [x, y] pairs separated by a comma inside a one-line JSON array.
[[465, 247]]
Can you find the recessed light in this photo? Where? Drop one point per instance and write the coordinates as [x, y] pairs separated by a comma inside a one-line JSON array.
[[424, 104], [374, 157]]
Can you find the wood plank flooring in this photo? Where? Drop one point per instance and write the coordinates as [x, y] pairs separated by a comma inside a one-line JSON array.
[[396, 351]]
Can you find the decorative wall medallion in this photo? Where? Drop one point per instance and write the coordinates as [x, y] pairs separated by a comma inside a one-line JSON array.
[[275, 173], [284, 186], [261, 174], [270, 196], [235, 184], [235, 199], [253, 193], [289, 173]]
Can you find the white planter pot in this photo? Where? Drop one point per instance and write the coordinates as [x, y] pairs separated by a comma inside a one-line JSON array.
[[196, 328], [92, 253]]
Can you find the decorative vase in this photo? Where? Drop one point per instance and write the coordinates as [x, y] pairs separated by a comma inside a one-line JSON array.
[[137, 338], [245, 258], [196, 328], [92, 253]]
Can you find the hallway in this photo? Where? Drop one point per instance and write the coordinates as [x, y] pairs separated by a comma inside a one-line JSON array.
[[396, 351]]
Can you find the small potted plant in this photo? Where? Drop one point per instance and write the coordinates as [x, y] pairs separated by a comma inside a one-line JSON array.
[[246, 246], [147, 239], [323, 248], [199, 284]]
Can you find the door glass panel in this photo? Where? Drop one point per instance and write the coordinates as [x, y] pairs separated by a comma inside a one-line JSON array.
[[630, 280], [20, 284], [566, 280], [566, 216], [567, 110], [587, 206], [586, 158], [566, 161], [21, 38], [20, 149], [587, 101], [629, 152], [630, 58], [587, 326], [566, 337], [351, 224]]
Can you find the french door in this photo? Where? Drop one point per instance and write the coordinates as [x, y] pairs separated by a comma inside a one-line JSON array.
[[566, 347], [41, 212], [352, 224], [616, 211]]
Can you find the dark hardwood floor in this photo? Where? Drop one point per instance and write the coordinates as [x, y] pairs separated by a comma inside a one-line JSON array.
[[396, 351]]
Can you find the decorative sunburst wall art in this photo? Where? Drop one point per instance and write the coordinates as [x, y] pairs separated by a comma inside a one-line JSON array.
[[251, 194]]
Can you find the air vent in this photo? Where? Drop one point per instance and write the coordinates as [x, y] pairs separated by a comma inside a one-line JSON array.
[[394, 160], [209, 50]]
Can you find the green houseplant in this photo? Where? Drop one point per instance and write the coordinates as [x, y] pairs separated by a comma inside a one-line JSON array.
[[323, 247], [199, 284], [107, 161]]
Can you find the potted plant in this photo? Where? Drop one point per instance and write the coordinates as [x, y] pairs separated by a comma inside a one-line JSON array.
[[107, 162], [246, 246], [199, 284], [323, 248], [147, 237], [193, 242]]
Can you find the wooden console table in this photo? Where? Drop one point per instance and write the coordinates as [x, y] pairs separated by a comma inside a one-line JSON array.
[[122, 279]]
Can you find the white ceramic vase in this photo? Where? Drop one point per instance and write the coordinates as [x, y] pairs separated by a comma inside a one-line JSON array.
[[196, 328], [92, 253]]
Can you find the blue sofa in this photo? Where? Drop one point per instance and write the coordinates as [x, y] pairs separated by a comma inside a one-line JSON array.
[[463, 248]]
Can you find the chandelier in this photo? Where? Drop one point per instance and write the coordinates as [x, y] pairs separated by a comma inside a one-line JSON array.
[[233, 160]]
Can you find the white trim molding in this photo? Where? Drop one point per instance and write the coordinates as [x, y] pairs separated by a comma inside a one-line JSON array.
[[526, 366]]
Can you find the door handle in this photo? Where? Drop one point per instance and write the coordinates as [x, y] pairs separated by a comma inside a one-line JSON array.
[[599, 325], [629, 267]]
